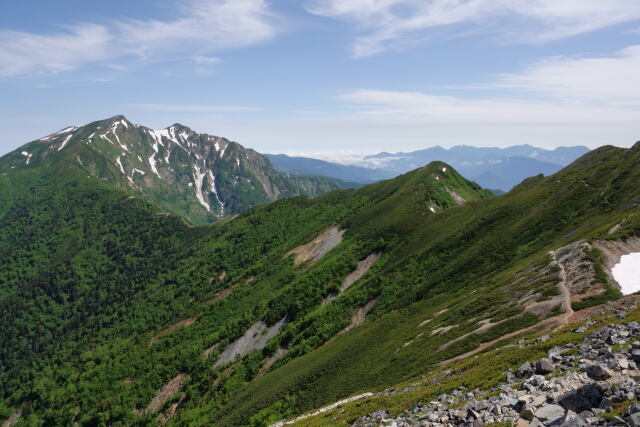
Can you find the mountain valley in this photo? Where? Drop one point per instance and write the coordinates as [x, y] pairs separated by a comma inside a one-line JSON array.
[[115, 314]]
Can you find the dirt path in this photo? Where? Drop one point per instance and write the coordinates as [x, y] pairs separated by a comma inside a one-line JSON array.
[[547, 324], [564, 290]]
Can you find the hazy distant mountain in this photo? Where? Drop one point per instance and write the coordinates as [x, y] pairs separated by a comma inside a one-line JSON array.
[[306, 166], [495, 168]]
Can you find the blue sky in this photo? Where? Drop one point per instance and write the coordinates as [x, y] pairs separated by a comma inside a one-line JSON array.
[[328, 78]]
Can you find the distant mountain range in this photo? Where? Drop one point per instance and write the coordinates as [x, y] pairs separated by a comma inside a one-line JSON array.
[[493, 168], [199, 176]]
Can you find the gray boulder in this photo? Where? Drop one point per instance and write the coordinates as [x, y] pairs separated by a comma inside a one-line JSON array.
[[597, 372], [550, 413], [544, 366]]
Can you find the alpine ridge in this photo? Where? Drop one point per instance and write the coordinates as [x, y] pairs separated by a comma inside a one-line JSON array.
[[391, 294], [199, 176]]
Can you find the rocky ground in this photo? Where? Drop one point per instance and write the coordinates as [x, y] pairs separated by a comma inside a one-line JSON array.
[[593, 383]]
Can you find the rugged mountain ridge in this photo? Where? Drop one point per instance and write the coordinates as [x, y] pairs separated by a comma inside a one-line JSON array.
[[493, 168], [118, 316], [199, 176]]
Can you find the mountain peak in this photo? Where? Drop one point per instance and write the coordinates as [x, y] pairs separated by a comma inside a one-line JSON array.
[[200, 176]]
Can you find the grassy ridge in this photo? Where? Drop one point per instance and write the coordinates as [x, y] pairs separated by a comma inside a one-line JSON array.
[[477, 261]]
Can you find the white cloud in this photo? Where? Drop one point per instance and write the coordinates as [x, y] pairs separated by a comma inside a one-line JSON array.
[[195, 108], [22, 53], [568, 90], [205, 26], [208, 24], [447, 109], [612, 80], [395, 24], [206, 64]]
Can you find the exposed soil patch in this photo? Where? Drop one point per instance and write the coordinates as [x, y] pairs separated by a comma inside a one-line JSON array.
[[163, 418], [442, 329], [458, 198], [313, 251], [358, 316], [424, 322], [362, 268], [164, 394], [256, 337], [13, 418], [280, 352], [546, 324], [180, 324], [589, 293], [210, 350], [222, 294]]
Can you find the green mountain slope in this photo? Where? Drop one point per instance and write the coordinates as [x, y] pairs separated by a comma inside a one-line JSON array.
[[291, 305], [198, 176]]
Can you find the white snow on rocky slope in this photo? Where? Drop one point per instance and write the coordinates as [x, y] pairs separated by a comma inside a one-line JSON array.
[[152, 163], [65, 141], [198, 177], [627, 273], [119, 163], [213, 187]]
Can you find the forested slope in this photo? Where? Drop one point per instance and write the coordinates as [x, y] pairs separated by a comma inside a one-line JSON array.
[[132, 302]]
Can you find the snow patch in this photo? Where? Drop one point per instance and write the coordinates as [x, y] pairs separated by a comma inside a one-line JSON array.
[[626, 273], [198, 177], [444, 169], [157, 137], [432, 209], [65, 142], [137, 170], [119, 163], [66, 130], [238, 162], [152, 162], [213, 187], [172, 137], [27, 155]]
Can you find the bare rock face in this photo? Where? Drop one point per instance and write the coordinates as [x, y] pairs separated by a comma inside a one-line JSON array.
[[256, 337], [313, 251]]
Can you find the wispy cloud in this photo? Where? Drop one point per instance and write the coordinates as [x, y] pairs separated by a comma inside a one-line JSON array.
[[567, 90], [206, 64], [607, 81], [205, 26], [395, 24], [195, 108], [22, 53]]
